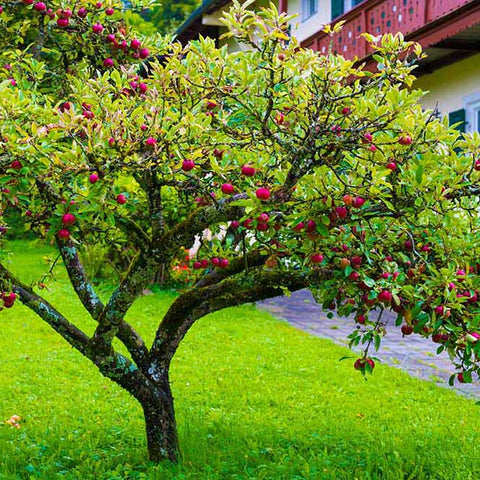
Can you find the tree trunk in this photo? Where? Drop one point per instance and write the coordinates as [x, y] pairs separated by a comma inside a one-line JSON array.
[[161, 426]]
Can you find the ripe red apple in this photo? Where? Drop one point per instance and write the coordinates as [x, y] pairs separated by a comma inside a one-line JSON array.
[[361, 319], [405, 140], [356, 261], [248, 171], [197, 265], [407, 329], [263, 218], [121, 199], [299, 227], [316, 258], [373, 148], [461, 274], [211, 104], [93, 178], [63, 22], [263, 193], [368, 137], [476, 165], [235, 224], [341, 212], [150, 142], [63, 234], [144, 53], [358, 202], [97, 28], [108, 62], [68, 219], [385, 296], [227, 188], [40, 7], [461, 378], [109, 11], [204, 263], [82, 12], [346, 110], [188, 165], [262, 227], [311, 226], [135, 44], [391, 166], [354, 276], [215, 261], [223, 263], [16, 165]]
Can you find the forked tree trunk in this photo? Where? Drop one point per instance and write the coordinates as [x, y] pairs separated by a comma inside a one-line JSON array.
[[161, 426]]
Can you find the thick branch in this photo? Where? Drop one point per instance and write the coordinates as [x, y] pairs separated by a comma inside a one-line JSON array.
[[47, 312], [197, 302], [134, 282]]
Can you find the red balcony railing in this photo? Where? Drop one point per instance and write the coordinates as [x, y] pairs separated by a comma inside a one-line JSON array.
[[426, 21]]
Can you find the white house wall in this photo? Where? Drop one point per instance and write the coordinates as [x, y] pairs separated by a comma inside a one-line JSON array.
[[451, 87], [302, 29]]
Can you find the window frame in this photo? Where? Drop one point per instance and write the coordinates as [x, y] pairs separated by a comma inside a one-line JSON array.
[[307, 11]]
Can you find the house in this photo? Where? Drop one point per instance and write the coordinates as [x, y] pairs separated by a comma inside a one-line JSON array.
[[448, 30]]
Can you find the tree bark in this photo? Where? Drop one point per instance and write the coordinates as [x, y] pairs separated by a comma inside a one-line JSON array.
[[161, 426]]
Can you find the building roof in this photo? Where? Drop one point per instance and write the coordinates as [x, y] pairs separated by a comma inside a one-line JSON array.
[[193, 26]]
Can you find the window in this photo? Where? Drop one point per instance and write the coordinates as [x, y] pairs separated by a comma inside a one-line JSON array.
[[339, 7], [309, 8], [472, 112]]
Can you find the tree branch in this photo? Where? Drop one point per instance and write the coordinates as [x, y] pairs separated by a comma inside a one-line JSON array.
[[197, 302]]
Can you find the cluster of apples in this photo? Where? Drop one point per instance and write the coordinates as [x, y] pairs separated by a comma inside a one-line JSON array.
[[65, 16], [215, 261]]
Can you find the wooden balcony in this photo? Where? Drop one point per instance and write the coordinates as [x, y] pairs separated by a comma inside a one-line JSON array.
[[432, 23]]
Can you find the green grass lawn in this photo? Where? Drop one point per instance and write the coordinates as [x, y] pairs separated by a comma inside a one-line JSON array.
[[255, 399]]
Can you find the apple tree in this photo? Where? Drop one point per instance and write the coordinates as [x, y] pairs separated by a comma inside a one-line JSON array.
[[308, 170]]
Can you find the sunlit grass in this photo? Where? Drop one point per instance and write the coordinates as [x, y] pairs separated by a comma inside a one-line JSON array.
[[255, 399]]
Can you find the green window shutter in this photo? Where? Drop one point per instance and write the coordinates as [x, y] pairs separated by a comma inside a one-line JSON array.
[[456, 117], [337, 8], [356, 2]]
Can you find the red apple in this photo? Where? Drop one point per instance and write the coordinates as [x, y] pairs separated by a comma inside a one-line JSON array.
[[405, 140], [385, 296], [93, 178], [248, 171], [188, 165], [407, 329], [121, 199], [68, 219], [391, 166], [263, 193], [227, 188], [63, 234]]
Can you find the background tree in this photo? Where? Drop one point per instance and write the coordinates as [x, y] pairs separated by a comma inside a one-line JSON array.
[[310, 172], [168, 16]]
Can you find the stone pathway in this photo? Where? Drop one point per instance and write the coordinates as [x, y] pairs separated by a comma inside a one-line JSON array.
[[414, 354]]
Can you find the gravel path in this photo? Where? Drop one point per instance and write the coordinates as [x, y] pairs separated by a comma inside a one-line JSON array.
[[414, 354]]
